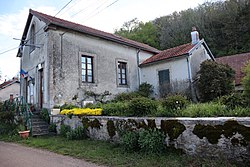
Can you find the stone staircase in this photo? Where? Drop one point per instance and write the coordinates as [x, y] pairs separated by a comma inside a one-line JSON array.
[[39, 126]]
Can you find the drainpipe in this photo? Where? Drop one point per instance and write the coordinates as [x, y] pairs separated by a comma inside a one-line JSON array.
[[138, 69], [193, 96], [61, 52]]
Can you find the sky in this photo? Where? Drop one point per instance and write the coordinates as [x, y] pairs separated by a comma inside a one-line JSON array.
[[105, 15]]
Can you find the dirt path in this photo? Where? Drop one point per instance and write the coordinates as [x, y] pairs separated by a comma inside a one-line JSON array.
[[14, 155]]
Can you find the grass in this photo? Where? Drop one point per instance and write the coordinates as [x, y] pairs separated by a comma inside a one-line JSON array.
[[110, 154]]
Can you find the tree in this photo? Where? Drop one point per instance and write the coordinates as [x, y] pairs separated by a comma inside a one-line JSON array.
[[246, 83], [215, 80], [139, 31]]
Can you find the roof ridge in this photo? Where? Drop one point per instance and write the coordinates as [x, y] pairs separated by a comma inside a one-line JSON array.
[[85, 29]]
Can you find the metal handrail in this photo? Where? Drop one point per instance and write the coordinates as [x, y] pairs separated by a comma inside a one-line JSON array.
[[21, 108]]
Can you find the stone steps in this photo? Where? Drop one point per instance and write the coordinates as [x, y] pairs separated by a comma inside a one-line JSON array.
[[39, 126]]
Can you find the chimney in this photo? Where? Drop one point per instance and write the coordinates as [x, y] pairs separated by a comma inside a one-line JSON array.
[[194, 36]]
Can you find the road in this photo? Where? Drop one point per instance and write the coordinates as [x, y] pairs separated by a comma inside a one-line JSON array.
[[14, 155]]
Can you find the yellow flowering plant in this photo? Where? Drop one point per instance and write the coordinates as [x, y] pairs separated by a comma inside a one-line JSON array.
[[82, 111]]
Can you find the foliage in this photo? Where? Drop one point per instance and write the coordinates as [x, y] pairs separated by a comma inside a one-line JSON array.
[[77, 134], [1, 106], [115, 109], [215, 80], [130, 141], [225, 26], [64, 129], [175, 102], [99, 97], [52, 128], [82, 111], [141, 106], [139, 31], [44, 114], [233, 100], [151, 141], [145, 89], [7, 122], [123, 97], [68, 106], [246, 83]]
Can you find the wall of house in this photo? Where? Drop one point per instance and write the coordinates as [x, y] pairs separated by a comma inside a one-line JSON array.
[[12, 89], [65, 74], [30, 62], [198, 55], [221, 137], [178, 70]]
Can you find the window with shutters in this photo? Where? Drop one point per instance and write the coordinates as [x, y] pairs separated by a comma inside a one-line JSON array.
[[164, 78], [87, 69], [122, 73]]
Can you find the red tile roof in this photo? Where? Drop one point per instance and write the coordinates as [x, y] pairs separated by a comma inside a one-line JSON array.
[[50, 20], [236, 62], [7, 83], [170, 53]]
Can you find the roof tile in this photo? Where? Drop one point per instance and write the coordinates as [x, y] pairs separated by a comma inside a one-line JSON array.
[[236, 62]]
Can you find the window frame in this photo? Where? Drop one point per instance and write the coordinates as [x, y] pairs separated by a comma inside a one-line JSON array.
[[120, 73], [86, 68], [32, 38]]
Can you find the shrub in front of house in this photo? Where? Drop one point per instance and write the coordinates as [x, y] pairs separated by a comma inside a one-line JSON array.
[[142, 106], [115, 109], [151, 141], [8, 124], [44, 114], [233, 100], [64, 129], [77, 134], [126, 96], [175, 102], [145, 89], [129, 141]]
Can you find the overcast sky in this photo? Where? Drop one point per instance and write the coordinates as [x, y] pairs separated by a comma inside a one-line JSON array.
[[105, 15]]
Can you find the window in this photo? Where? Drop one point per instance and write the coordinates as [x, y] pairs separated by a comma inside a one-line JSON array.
[[32, 38], [87, 69], [164, 77], [122, 73]]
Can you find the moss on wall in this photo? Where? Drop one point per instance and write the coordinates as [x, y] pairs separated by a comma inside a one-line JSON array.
[[93, 124], [230, 128], [151, 123], [111, 128], [173, 128]]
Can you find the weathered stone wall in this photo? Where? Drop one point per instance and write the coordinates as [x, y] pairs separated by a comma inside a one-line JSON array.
[[215, 137]]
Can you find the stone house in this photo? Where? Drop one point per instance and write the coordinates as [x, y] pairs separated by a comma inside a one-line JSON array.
[[7, 88], [62, 59], [174, 70], [237, 63]]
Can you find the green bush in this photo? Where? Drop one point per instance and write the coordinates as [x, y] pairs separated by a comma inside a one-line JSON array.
[[142, 106], [7, 122], [175, 102], [130, 140], [52, 127], [64, 129], [68, 106], [145, 89], [115, 109], [151, 141], [77, 134], [1, 106], [123, 97], [246, 83], [44, 114], [204, 110], [233, 100]]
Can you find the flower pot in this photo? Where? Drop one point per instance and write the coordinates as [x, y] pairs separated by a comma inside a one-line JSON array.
[[55, 111], [24, 134]]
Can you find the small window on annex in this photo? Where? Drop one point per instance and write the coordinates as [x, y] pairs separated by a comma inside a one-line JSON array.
[[122, 73], [87, 69]]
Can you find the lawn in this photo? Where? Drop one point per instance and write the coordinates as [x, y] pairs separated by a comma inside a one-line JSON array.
[[110, 154]]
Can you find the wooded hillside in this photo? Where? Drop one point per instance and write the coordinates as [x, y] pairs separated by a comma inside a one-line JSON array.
[[225, 26]]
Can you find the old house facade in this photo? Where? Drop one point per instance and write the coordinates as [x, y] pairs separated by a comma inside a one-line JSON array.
[[175, 69], [10, 87], [62, 59]]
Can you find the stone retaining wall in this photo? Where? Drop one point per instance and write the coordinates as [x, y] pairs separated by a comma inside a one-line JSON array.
[[227, 137]]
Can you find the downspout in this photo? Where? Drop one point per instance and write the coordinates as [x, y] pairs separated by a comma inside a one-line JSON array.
[[138, 63], [61, 52], [190, 80]]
